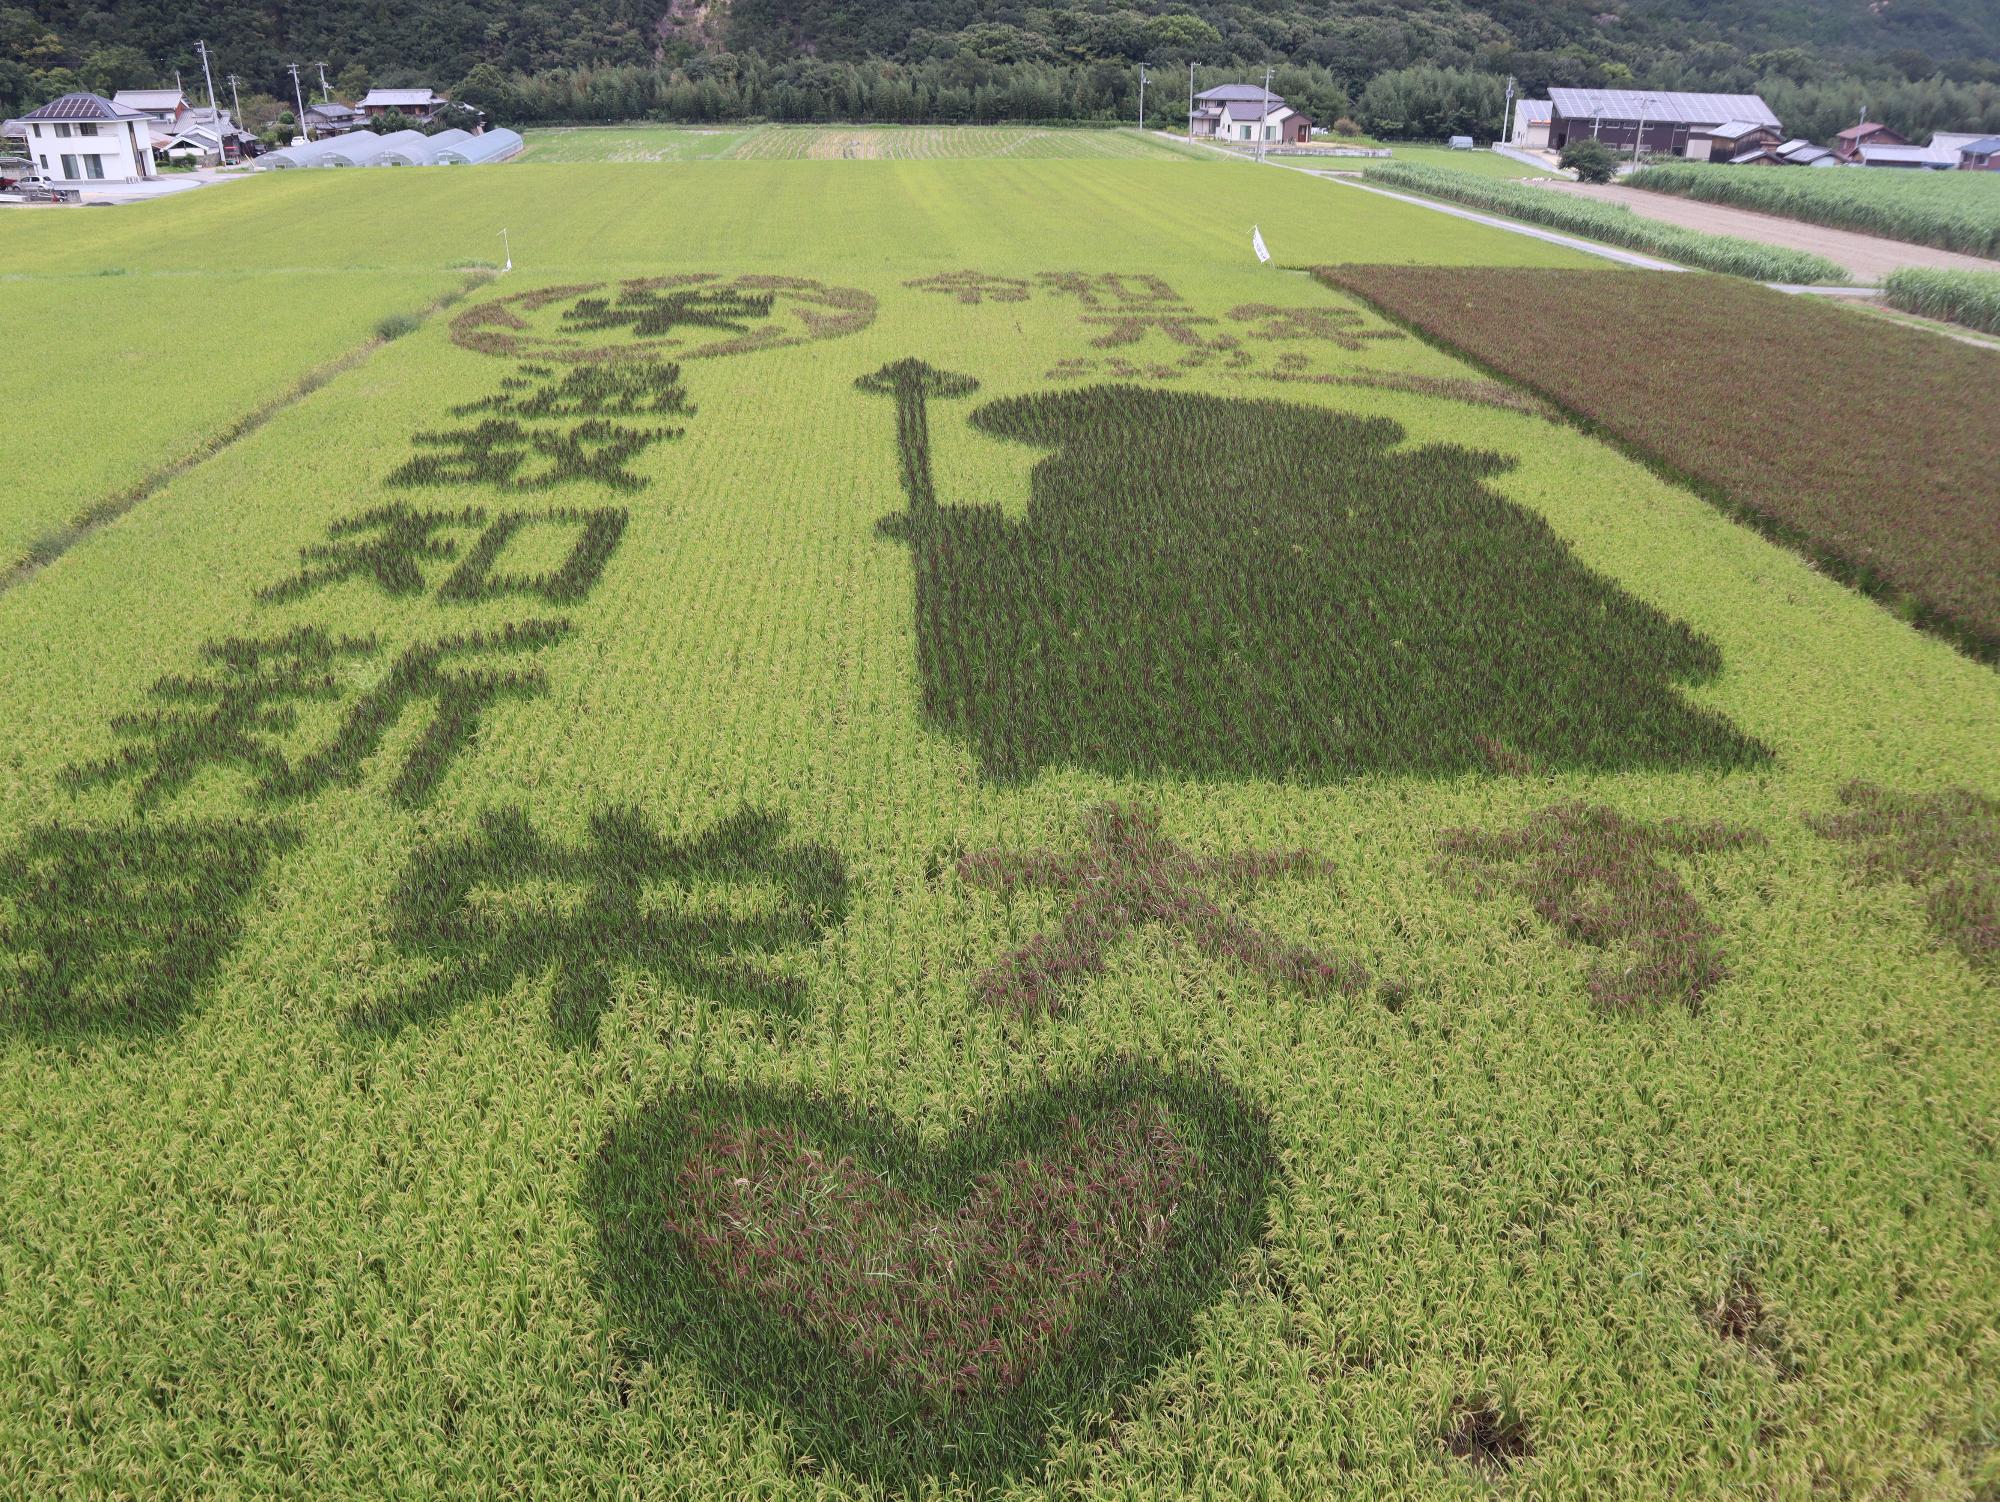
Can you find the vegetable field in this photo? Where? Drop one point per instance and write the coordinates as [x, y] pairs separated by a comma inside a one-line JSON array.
[[914, 832], [1951, 210]]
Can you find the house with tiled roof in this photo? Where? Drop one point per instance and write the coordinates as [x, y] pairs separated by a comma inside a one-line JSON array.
[[1847, 144], [1245, 112], [84, 138], [418, 104]]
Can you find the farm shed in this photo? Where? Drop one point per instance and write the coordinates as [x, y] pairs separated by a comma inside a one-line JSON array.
[[1982, 155], [1531, 124], [1734, 141], [493, 146], [1932, 158], [1664, 124]]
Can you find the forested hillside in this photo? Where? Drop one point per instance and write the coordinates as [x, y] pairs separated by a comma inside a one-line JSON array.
[[1921, 64]]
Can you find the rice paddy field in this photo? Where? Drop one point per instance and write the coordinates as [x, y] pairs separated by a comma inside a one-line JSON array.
[[902, 829], [676, 143]]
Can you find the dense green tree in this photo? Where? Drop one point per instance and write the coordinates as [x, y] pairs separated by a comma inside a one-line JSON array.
[[1417, 67], [1591, 160]]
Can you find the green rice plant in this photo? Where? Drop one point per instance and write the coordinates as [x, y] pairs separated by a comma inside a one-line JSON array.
[[1952, 210], [1599, 879], [1903, 509], [1232, 588], [920, 1311], [1128, 874], [1615, 225], [313, 1231], [480, 909], [117, 928], [1946, 844], [1968, 297]]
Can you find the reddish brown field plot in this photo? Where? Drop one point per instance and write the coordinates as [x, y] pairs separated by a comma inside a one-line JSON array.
[[1869, 448]]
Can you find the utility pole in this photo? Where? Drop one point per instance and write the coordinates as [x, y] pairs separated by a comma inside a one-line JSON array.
[[325, 93], [1507, 112], [214, 109], [235, 99], [1142, 96], [1263, 125], [1639, 139], [1190, 101], [304, 129]]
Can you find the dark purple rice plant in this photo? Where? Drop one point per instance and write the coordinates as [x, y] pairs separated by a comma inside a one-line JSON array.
[[1599, 879], [1129, 874], [917, 1311], [482, 910], [1945, 844]]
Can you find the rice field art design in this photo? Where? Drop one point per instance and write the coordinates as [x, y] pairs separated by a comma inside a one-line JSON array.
[[1129, 872], [115, 928], [916, 1310], [698, 315], [1228, 587], [714, 912], [1601, 880]]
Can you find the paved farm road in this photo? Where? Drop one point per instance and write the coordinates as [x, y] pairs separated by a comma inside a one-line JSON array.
[[1868, 257]]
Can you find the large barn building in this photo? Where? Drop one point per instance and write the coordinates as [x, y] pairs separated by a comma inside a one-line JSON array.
[[1701, 127]]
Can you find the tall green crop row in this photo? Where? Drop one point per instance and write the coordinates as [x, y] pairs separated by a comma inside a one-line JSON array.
[[1614, 224], [1968, 297], [1951, 210]]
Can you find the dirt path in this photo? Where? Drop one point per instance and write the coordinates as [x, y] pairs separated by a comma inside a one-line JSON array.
[[1868, 257]]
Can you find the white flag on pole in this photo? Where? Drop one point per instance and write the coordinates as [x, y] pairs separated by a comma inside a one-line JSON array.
[[1257, 244]]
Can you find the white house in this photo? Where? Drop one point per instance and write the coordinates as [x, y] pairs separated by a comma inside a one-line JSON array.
[[1245, 112], [87, 138]]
